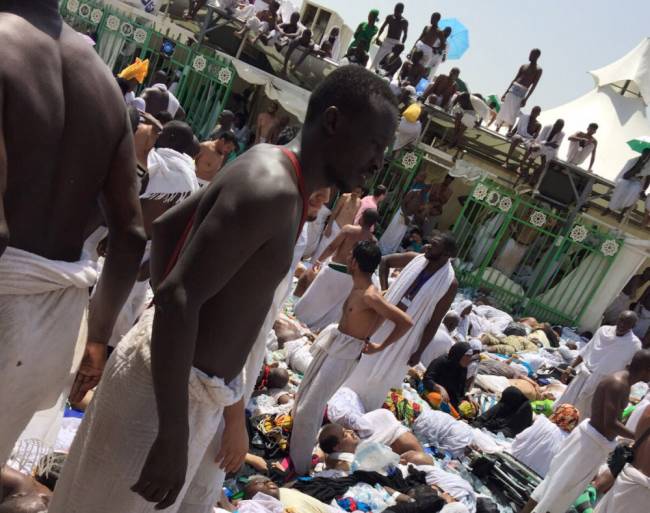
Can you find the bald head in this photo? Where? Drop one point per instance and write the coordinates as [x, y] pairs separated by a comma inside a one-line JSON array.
[[640, 366], [626, 322], [330, 437]]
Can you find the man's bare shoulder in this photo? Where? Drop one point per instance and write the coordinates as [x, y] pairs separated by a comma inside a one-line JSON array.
[[262, 173]]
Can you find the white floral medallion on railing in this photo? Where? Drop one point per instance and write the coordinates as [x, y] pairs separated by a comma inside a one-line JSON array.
[[480, 192], [505, 204], [84, 10], [112, 22], [409, 160], [578, 233], [96, 16], [224, 76], [126, 29], [199, 63], [72, 5], [493, 198], [538, 218], [140, 35], [609, 248]]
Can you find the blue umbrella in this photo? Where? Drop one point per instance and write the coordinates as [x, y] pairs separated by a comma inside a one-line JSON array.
[[458, 41]]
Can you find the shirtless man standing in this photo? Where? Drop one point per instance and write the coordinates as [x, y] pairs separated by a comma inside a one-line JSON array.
[[338, 349], [428, 38], [631, 493], [588, 446], [197, 340], [443, 88], [397, 33], [519, 90], [321, 305], [266, 123], [50, 186], [343, 214], [212, 156]]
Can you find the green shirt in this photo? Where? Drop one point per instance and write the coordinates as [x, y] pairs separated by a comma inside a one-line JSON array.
[[363, 36]]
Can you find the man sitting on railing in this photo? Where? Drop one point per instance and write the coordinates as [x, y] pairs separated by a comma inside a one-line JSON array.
[[440, 92], [524, 132]]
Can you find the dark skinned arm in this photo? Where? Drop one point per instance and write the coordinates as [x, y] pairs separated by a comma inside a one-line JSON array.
[[179, 299], [434, 323], [532, 88], [613, 405], [401, 320], [394, 261], [126, 242], [406, 32]]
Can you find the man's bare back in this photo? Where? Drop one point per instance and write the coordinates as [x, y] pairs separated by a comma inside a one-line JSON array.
[[229, 321], [345, 241], [350, 204], [53, 186]]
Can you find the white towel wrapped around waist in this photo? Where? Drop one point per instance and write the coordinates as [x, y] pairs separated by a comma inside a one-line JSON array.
[[24, 273]]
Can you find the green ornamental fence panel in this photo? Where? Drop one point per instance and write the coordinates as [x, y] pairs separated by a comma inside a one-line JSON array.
[[397, 176], [529, 258], [200, 78]]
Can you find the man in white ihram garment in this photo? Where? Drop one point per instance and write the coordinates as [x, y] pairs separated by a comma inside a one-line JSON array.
[[519, 90], [610, 350], [633, 179], [582, 145], [425, 289]]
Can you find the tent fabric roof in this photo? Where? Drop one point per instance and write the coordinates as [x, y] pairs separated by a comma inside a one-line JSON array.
[[619, 119], [635, 67]]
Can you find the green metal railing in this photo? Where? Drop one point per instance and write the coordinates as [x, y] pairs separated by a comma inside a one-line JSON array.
[[397, 176], [531, 260], [202, 79]]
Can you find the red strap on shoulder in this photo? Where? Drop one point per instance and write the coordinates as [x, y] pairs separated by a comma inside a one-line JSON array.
[[301, 186], [179, 246]]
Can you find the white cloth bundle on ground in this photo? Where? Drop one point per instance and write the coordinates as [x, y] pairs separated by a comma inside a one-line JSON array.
[[299, 354], [121, 424], [536, 445], [605, 354], [336, 355], [346, 409], [511, 104], [378, 373], [630, 493], [43, 306], [322, 303], [572, 469], [392, 238], [172, 176]]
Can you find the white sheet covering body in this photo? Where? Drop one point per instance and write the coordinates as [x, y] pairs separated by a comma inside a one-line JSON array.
[[537, 445]]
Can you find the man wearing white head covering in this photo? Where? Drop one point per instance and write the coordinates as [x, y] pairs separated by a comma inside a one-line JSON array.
[[610, 350], [424, 289]]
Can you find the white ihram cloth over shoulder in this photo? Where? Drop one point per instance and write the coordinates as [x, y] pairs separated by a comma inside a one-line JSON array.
[[439, 346], [630, 493], [336, 355], [43, 305], [572, 469], [536, 445], [114, 439], [172, 176], [395, 232], [628, 191], [378, 373], [605, 354], [635, 417]]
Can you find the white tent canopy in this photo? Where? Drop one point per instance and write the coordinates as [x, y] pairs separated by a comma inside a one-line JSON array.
[[620, 117]]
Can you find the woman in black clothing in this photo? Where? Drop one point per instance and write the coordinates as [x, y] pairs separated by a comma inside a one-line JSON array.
[[510, 416], [445, 379]]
